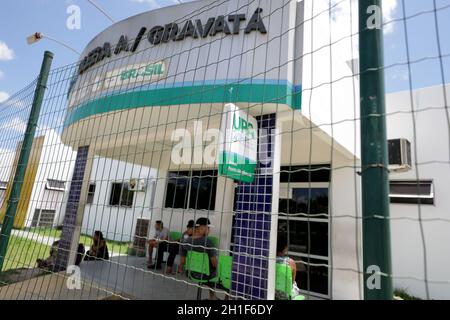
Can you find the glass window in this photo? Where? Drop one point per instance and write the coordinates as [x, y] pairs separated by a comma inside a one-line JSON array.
[[307, 237], [121, 195], [127, 196], [3, 185], [55, 185], [91, 193], [305, 174], [306, 201], [203, 190], [47, 218], [193, 190], [413, 192], [177, 190], [312, 274]]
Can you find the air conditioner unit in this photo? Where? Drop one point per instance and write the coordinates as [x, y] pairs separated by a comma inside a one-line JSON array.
[[137, 185], [399, 155]]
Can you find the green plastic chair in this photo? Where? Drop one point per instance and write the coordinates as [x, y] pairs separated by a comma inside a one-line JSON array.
[[224, 270], [198, 262], [215, 241], [284, 280], [175, 235]]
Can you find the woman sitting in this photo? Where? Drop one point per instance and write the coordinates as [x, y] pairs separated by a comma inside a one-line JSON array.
[[99, 249], [283, 258]]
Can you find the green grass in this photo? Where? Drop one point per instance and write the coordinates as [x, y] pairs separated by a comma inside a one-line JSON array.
[[22, 253], [113, 246]]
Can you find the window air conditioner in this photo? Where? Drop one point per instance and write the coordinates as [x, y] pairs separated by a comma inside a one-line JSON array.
[[137, 185], [399, 155]]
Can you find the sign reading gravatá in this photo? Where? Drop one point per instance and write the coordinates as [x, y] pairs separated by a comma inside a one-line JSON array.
[[238, 144], [194, 29]]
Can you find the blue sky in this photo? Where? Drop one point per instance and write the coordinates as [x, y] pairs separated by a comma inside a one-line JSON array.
[[20, 18]]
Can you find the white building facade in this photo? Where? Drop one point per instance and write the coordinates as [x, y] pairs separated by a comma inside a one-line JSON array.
[[281, 65], [419, 233]]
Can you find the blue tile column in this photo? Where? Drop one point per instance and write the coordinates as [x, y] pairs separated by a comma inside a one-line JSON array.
[[70, 217], [253, 220]]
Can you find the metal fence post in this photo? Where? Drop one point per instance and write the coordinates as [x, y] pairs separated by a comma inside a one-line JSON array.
[[374, 155], [25, 151]]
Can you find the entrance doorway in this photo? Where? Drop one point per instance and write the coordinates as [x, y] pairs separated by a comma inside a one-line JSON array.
[[303, 216]]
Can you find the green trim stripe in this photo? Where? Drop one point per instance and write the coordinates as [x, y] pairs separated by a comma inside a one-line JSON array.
[[249, 93]]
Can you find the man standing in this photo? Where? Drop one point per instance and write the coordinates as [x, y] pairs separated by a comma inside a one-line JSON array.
[[159, 241]]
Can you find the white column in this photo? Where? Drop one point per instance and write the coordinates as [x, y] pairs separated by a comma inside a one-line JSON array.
[[274, 214]]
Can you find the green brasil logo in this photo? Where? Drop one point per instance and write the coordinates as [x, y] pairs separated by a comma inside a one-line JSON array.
[[153, 69]]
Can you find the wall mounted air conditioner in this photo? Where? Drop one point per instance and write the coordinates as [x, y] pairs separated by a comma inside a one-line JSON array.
[[399, 155], [137, 185]]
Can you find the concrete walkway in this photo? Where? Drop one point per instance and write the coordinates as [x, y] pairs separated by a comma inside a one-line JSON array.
[[129, 276], [123, 277]]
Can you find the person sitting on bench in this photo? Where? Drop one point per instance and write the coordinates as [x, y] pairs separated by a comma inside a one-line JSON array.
[[159, 241], [174, 248], [200, 242], [283, 258]]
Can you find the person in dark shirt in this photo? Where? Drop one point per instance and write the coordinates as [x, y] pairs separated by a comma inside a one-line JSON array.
[[99, 249], [199, 242], [49, 263], [174, 247]]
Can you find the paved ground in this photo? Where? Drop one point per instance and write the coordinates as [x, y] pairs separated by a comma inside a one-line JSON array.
[[123, 277], [50, 287], [128, 275]]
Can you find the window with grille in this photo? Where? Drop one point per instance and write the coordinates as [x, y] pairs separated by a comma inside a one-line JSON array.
[[56, 185], [411, 192]]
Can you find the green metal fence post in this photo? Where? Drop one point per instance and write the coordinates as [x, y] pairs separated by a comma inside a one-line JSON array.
[[25, 151], [374, 155]]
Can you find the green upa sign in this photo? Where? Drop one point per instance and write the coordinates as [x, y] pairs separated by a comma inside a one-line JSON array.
[[238, 144]]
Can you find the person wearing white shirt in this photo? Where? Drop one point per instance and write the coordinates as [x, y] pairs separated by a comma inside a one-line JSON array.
[[159, 241]]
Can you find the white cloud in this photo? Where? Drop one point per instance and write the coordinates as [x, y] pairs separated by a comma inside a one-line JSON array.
[[389, 7], [5, 52], [6, 100], [16, 124], [343, 11], [3, 96]]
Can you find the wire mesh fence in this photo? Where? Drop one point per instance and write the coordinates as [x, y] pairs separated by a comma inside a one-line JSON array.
[[216, 152]]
